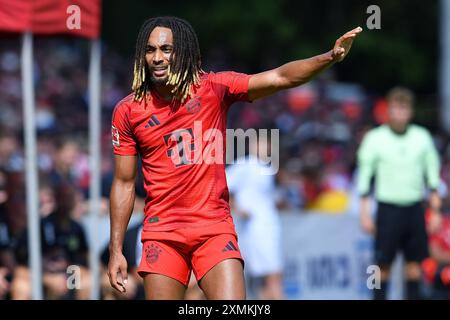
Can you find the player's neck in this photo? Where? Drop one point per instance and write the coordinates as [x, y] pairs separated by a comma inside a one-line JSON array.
[[163, 91]]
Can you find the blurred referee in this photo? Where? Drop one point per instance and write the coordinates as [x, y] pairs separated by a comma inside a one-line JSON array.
[[403, 160]]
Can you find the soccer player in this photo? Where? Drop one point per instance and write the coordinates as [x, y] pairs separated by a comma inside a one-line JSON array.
[[399, 155], [187, 226]]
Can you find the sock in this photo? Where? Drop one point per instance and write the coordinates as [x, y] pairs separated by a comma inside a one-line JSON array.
[[380, 294], [412, 290]]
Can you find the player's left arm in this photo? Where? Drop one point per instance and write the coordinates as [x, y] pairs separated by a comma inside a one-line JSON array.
[[298, 72]]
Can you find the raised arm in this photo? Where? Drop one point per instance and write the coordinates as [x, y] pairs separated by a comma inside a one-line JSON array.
[[298, 72], [121, 206]]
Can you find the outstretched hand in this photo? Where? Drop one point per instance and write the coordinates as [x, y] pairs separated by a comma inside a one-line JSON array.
[[344, 43]]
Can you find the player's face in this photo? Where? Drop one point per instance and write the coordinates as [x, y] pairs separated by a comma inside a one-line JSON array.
[[400, 113], [158, 52]]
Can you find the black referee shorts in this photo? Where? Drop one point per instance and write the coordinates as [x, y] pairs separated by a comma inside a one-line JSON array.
[[400, 228]]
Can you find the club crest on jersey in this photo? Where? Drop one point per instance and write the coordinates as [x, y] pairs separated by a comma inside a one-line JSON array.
[[194, 105], [115, 136], [152, 253]]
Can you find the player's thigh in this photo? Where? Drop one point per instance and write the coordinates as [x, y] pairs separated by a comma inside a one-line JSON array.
[[194, 292], [225, 281], [218, 265], [165, 270], [161, 287]]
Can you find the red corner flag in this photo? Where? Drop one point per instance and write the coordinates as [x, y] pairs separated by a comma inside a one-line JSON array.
[[75, 17]]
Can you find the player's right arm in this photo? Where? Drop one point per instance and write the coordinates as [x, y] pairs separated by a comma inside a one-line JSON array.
[[121, 206]]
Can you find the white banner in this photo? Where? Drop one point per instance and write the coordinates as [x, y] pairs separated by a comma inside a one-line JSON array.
[[326, 257]]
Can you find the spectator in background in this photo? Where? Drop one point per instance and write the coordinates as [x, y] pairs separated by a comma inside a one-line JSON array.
[[6, 256], [252, 199], [70, 166], [63, 244], [399, 155], [437, 266], [4, 282], [11, 159], [289, 189], [47, 202], [13, 224]]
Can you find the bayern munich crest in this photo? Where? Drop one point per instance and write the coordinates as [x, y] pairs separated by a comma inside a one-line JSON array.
[[152, 253], [194, 105]]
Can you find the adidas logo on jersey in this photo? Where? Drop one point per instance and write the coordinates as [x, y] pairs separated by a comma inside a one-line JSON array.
[[230, 247], [152, 122]]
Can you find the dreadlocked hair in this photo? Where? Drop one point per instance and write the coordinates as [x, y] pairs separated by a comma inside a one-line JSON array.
[[184, 70]]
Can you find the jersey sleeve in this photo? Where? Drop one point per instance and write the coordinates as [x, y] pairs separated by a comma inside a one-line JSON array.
[[123, 140], [230, 86]]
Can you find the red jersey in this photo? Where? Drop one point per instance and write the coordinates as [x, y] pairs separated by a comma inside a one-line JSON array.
[[184, 187]]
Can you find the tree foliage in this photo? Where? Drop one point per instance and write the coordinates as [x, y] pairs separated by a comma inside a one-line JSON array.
[[255, 35]]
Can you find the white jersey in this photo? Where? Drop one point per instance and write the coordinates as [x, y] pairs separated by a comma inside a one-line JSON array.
[[253, 191], [260, 234]]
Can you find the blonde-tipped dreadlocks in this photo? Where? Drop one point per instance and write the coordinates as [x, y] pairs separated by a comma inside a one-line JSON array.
[[184, 69]]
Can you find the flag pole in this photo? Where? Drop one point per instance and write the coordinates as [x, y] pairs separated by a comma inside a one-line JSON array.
[[95, 158], [445, 65], [33, 221]]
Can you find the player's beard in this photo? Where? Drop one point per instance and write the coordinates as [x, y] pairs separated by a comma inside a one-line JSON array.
[[159, 81]]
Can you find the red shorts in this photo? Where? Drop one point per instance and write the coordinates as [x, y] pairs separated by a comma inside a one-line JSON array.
[[175, 253]]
